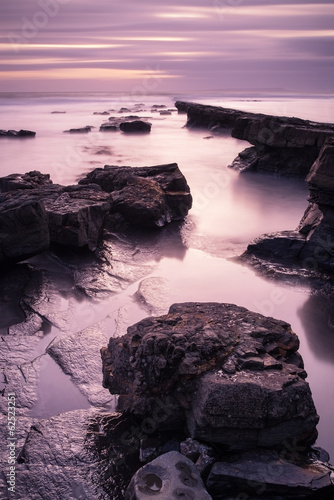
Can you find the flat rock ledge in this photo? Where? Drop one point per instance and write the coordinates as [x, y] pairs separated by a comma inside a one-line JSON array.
[[232, 380], [309, 249], [281, 145], [34, 212]]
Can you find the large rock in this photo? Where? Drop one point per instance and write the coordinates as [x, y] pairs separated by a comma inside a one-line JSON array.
[[145, 196], [23, 227], [135, 126], [282, 145], [309, 248], [29, 180], [17, 133], [168, 477], [269, 474], [235, 376]]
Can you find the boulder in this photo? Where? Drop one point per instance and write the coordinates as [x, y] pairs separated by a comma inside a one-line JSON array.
[[168, 477], [234, 376], [17, 133], [108, 127], [29, 180], [136, 126], [145, 196], [24, 227], [271, 474]]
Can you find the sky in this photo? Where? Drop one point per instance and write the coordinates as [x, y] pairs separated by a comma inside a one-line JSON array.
[[152, 46]]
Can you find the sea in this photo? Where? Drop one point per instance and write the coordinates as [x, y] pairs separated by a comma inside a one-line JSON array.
[[229, 210]]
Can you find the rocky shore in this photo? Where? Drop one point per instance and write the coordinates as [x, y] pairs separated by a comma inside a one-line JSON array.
[[281, 145]]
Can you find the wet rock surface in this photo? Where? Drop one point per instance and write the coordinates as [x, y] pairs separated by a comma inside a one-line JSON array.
[[282, 145], [233, 375], [309, 250], [34, 212]]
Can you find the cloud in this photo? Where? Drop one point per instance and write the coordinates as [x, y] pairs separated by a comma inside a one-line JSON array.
[[192, 42]]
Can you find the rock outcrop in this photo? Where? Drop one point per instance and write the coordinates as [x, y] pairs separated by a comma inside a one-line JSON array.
[[35, 212], [233, 375], [234, 380], [309, 248], [282, 145]]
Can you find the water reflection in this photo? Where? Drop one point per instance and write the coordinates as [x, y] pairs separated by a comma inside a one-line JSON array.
[[317, 318]]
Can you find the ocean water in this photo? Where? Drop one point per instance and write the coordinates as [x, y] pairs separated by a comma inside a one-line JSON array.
[[229, 211]]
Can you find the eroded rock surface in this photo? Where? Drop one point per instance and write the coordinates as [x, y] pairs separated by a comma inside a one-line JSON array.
[[135, 126], [234, 376]]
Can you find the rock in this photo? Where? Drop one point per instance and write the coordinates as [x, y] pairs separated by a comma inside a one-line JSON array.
[[310, 248], [15, 133], [165, 112], [102, 113], [153, 294], [29, 180], [179, 360], [170, 476], [108, 127], [58, 112], [82, 130], [124, 110], [146, 196], [24, 227], [135, 127], [269, 474], [282, 145], [282, 161], [48, 462], [158, 106]]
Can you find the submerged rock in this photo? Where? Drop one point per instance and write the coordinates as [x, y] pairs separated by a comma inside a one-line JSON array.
[[17, 133], [233, 375], [81, 130]]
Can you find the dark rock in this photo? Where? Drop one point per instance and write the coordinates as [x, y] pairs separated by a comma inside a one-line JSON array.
[[180, 359], [102, 113], [282, 161], [82, 130], [310, 248], [165, 112], [158, 106], [124, 110], [24, 227], [30, 180], [269, 474], [135, 127], [170, 476], [282, 145], [146, 196], [108, 127], [58, 112], [15, 133]]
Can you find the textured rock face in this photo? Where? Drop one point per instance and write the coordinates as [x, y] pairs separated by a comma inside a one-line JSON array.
[[35, 212], [311, 246], [145, 196], [168, 477], [23, 228], [282, 145], [235, 375], [30, 180], [269, 474]]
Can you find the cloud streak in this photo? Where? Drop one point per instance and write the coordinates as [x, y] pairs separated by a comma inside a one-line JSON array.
[[190, 45]]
